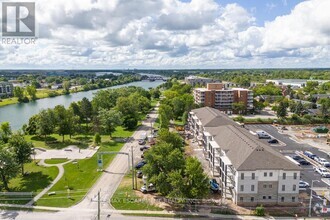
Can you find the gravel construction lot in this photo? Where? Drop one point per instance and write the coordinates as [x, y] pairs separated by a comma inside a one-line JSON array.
[[289, 148]]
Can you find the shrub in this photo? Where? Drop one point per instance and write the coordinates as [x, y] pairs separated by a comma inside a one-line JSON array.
[[260, 211]]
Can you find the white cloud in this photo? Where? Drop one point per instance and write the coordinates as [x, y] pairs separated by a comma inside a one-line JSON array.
[[171, 34]]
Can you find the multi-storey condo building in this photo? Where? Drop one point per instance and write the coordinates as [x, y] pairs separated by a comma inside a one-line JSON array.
[[6, 89], [217, 95], [250, 172], [196, 80]]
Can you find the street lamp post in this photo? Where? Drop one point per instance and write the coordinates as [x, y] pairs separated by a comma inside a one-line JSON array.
[[310, 198]]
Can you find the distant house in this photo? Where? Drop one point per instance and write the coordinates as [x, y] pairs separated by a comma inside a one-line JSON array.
[[6, 89], [196, 80], [56, 86]]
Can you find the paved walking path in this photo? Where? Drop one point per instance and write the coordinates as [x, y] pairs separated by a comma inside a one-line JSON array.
[[59, 176]]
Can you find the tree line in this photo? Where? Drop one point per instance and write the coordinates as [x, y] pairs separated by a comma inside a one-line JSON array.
[[107, 110], [15, 151]]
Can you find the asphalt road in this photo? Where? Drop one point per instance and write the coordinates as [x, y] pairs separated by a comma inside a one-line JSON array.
[[291, 146]]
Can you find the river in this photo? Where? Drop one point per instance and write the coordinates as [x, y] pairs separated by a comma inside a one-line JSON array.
[[19, 114]]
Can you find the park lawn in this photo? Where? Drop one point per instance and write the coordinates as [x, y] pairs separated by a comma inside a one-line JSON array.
[[35, 181], [127, 199], [79, 178], [56, 161], [154, 102], [8, 101], [54, 141]]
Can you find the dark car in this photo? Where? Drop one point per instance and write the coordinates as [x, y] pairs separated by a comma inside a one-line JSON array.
[[273, 141], [304, 162], [141, 142], [144, 148], [140, 164], [309, 154], [297, 157]]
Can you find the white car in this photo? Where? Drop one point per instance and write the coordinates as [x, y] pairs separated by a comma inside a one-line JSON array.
[[303, 184], [322, 171], [322, 161]]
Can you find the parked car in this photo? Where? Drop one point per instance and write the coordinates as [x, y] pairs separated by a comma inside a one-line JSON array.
[[148, 116], [144, 148], [304, 162], [322, 161], [303, 184], [297, 157], [273, 141], [214, 185], [309, 154], [148, 189], [142, 142], [264, 136], [140, 164], [139, 174], [322, 171]]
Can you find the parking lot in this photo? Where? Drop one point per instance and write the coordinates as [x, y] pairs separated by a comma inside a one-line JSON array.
[[289, 148]]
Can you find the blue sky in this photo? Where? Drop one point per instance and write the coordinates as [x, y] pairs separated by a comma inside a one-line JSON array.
[[265, 10], [176, 34]]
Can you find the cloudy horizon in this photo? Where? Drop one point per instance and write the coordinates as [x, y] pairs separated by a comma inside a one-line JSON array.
[[173, 34]]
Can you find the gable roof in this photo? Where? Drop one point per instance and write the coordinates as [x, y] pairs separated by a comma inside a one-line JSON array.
[[243, 149]]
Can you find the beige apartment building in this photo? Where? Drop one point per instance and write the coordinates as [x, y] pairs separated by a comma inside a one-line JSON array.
[[250, 172], [217, 95]]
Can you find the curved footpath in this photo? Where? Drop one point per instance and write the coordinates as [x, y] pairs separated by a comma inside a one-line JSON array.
[[59, 176]]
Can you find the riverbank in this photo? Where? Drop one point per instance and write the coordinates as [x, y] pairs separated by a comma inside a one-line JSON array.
[[48, 93]]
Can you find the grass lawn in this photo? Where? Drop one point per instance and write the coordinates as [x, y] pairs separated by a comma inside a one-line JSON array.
[[35, 181], [126, 199], [55, 161], [154, 102], [78, 178], [54, 141], [8, 101]]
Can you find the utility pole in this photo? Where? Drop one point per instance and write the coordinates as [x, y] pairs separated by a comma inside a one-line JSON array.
[[133, 170], [98, 206]]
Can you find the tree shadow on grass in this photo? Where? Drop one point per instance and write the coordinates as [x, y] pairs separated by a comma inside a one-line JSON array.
[[33, 182], [45, 139]]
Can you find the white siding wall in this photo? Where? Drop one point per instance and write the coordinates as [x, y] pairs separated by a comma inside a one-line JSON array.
[[289, 181], [247, 182]]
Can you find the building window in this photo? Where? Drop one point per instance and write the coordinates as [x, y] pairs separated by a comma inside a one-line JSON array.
[[294, 187], [265, 174], [293, 199], [284, 176], [242, 188], [252, 188], [269, 197], [241, 199], [282, 199], [253, 176], [283, 187], [295, 176], [242, 176], [271, 174], [265, 186], [270, 186], [252, 199], [264, 197]]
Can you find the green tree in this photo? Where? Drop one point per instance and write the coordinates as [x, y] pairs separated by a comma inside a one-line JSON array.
[[5, 131], [197, 182], [46, 122], [19, 93], [299, 109], [22, 149], [97, 139], [66, 87], [86, 110], [239, 107], [281, 110], [32, 92], [31, 128], [164, 135], [9, 168], [109, 120]]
